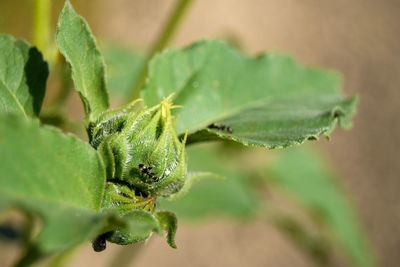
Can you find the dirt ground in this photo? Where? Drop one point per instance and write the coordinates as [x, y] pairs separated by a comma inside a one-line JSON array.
[[359, 38]]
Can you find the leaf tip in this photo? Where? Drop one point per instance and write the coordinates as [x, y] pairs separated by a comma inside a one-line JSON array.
[[169, 223]]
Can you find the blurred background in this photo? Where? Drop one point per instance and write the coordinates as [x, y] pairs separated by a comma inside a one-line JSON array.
[[359, 38]]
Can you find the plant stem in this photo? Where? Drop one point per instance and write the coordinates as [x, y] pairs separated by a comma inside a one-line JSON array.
[[162, 41], [41, 25], [171, 26]]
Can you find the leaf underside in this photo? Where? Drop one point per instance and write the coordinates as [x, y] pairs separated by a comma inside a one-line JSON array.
[[269, 101], [272, 125], [23, 75]]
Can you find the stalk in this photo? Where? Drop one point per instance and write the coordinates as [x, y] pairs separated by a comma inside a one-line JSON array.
[[163, 39], [41, 25]]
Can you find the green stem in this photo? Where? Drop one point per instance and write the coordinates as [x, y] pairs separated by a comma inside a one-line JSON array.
[[171, 26], [41, 25], [162, 41]]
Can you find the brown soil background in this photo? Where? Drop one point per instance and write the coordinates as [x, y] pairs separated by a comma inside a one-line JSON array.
[[359, 38]]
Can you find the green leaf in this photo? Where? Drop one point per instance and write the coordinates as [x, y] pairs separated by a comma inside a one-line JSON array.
[[169, 223], [273, 125], [54, 176], [78, 46], [138, 226], [229, 197], [302, 175], [269, 100], [123, 69], [23, 75]]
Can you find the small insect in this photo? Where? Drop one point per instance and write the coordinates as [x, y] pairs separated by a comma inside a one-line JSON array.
[[147, 171], [221, 127]]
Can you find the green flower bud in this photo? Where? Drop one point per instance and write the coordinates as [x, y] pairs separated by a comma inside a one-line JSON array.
[[141, 149], [144, 159]]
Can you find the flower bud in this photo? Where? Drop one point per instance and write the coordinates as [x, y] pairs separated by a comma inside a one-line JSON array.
[[144, 159], [140, 148]]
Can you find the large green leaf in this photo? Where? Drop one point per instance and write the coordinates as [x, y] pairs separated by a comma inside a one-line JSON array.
[[23, 75], [54, 176], [268, 101], [303, 176], [78, 46]]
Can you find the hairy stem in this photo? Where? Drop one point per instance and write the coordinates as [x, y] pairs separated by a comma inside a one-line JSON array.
[[163, 39]]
